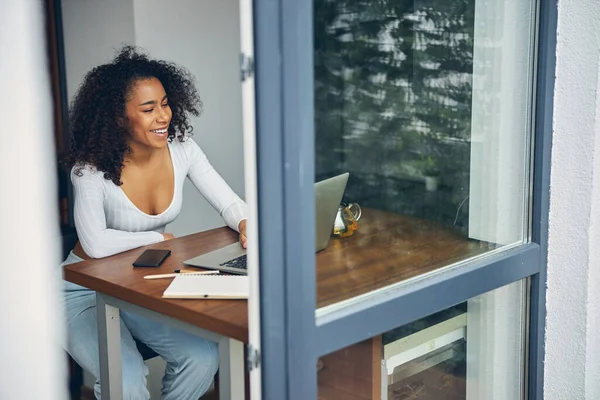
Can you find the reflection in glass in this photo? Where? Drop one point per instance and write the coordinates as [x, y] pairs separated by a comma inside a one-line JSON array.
[[472, 351], [426, 103]]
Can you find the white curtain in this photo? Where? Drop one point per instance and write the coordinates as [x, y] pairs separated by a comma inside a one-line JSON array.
[[32, 364], [501, 117], [495, 351]]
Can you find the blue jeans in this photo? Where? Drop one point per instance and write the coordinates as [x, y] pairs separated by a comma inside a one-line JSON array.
[[191, 361]]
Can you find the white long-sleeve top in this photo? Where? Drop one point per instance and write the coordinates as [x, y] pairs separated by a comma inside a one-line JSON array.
[[108, 223]]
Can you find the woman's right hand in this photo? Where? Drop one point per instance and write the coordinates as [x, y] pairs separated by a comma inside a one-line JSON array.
[[168, 236]]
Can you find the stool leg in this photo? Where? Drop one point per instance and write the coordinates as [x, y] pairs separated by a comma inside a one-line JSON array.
[[217, 393], [75, 379]]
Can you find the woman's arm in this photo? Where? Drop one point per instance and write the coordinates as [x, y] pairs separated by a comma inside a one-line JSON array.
[[207, 180], [96, 239]]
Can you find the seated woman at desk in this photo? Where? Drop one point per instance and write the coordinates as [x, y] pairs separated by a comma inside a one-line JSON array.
[[129, 156]]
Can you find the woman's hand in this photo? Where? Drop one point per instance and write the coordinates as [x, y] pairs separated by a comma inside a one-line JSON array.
[[242, 230], [168, 236]]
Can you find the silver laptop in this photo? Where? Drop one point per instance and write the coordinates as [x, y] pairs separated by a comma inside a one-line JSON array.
[[328, 195]]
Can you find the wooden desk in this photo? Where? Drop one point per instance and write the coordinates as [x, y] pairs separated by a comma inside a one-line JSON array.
[[386, 249], [116, 277], [120, 286]]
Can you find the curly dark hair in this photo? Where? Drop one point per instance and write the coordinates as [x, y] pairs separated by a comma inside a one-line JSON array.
[[98, 134]]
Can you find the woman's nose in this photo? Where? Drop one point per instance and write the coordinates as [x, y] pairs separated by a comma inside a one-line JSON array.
[[163, 115]]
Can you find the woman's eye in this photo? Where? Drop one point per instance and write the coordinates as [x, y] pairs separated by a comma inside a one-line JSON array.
[[166, 105], [149, 110]]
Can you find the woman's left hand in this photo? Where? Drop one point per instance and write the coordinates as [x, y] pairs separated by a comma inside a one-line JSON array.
[[242, 230]]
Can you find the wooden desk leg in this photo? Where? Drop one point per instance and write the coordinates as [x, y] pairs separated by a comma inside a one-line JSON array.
[[109, 343], [231, 369], [353, 372]]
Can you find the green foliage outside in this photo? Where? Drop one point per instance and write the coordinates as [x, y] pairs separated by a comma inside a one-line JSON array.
[[393, 102]]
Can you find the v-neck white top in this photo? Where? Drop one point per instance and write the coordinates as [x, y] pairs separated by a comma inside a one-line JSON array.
[[108, 223]]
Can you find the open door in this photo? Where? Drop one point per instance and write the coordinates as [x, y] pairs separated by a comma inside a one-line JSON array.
[[249, 128]]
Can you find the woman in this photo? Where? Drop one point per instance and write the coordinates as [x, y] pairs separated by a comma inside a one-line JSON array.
[[129, 156]]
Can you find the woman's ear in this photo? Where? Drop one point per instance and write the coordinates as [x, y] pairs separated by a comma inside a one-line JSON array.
[[123, 122]]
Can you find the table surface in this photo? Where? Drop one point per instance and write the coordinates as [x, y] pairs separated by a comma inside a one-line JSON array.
[[386, 249], [115, 276]]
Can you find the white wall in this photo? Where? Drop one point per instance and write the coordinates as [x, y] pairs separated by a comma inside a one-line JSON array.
[[31, 335], [573, 298], [592, 385], [92, 32], [203, 36]]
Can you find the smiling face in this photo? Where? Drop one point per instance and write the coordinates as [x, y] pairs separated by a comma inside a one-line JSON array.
[[148, 114]]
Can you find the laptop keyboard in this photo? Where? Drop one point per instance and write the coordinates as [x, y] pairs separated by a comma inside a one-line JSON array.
[[239, 262]]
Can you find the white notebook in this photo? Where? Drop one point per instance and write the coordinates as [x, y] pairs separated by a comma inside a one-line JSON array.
[[190, 286]]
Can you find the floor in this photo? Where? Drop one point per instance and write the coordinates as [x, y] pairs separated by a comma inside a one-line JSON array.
[[88, 394], [436, 383]]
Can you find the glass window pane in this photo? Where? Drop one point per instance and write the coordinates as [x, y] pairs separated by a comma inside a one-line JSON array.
[[472, 351], [427, 105]]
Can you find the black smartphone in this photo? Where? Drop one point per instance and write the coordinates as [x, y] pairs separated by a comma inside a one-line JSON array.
[[151, 258]]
